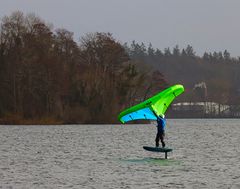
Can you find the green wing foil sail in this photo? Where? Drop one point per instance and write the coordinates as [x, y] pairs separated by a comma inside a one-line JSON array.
[[152, 107]]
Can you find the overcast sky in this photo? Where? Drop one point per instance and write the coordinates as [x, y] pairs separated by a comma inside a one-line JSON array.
[[207, 25]]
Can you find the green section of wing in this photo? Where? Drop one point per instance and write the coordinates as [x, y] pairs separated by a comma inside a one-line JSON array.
[[162, 100], [158, 104]]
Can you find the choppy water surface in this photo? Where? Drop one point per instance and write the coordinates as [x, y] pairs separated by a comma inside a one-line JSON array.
[[206, 155]]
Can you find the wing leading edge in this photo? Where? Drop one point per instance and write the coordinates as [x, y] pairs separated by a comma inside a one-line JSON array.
[[156, 105]]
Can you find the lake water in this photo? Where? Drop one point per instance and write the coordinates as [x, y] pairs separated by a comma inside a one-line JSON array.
[[206, 154]]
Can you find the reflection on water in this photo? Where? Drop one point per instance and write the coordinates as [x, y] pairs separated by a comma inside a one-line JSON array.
[[156, 161], [206, 154]]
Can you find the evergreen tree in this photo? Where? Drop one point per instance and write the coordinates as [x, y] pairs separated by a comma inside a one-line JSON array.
[[167, 52], [226, 55], [189, 51], [176, 51], [158, 53], [150, 51]]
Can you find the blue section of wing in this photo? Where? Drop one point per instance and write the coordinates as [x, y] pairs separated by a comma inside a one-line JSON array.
[[145, 113]]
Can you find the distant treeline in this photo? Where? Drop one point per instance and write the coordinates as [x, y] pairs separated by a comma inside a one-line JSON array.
[[46, 77], [214, 77]]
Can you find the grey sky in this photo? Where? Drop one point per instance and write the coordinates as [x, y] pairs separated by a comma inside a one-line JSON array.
[[207, 25]]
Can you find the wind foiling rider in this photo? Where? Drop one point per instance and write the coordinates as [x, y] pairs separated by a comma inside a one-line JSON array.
[[161, 124]]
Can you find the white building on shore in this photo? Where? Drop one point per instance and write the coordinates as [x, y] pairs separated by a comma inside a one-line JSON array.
[[208, 108]]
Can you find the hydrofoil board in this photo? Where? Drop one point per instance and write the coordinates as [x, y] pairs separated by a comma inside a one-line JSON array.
[[157, 149]]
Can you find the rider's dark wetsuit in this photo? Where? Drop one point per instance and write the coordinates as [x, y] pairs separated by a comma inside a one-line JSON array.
[[161, 124]]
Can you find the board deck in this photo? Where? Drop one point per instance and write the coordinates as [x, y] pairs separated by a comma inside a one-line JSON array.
[[157, 149]]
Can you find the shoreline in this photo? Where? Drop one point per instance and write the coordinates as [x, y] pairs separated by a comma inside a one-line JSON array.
[[53, 121]]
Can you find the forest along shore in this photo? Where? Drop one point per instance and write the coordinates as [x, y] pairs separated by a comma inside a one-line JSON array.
[[46, 77]]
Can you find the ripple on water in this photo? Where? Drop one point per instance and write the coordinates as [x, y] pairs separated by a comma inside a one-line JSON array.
[[206, 155]]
